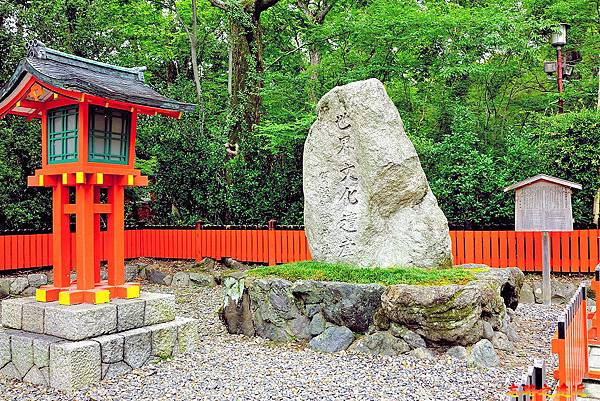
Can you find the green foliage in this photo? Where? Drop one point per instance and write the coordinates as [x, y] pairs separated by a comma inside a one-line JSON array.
[[570, 148], [466, 76], [352, 274]]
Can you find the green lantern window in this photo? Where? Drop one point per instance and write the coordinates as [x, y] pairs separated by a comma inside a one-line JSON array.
[[62, 135], [109, 135]]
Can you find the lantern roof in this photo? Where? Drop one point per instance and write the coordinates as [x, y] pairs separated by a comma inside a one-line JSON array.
[[542, 177], [54, 71]]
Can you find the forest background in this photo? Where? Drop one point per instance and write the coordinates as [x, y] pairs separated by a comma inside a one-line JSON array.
[[466, 76]]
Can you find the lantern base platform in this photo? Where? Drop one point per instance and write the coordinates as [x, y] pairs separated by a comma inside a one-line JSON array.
[[100, 294], [72, 347]]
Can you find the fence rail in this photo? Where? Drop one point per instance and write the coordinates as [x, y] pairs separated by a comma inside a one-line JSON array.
[[571, 252], [570, 343]]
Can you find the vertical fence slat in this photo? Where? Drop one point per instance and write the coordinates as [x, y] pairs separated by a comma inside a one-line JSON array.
[[2, 251], [512, 248], [478, 244], [495, 249], [520, 238], [584, 258], [565, 255], [460, 248], [529, 260], [469, 247], [486, 247], [502, 238], [574, 251], [278, 241], [593, 249], [555, 260], [537, 250]]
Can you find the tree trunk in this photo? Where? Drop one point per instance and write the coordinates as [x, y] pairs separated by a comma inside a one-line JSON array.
[[247, 65]]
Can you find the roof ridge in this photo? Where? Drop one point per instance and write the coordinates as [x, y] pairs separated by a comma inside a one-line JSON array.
[[37, 49]]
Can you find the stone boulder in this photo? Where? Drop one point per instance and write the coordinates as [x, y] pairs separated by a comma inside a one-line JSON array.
[[333, 339], [413, 315], [457, 352], [344, 304], [455, 314], [366, 198], [380, 343], [483, 355], [449, 313]]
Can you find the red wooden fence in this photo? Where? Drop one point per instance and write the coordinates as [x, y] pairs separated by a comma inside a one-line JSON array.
[[575, 251], [570, 343], [570, 252]]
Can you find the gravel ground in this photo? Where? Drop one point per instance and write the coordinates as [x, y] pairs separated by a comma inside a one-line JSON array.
[[228, 367]]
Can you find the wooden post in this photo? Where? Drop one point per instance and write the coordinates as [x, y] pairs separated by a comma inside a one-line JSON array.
[[116, 235], [85, 236], [198, 250], [272, 239], [546, 285], [97, 238], [60, 236]]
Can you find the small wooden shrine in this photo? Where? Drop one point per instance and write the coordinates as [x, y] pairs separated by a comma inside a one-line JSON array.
[[88, 112], [543, 203]]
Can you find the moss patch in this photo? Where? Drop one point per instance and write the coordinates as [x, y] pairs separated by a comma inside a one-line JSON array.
[[353, 274]]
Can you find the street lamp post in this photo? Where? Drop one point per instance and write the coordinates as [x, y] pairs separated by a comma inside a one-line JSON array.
[[559, 39]]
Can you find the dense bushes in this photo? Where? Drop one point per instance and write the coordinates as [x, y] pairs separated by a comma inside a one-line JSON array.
[[466, 77]]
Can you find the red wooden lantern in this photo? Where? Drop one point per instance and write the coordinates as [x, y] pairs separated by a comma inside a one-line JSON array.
[[88, 113]]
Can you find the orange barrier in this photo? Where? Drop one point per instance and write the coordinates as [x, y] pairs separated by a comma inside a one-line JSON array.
[[594, 330], [533, 385], [570, 252], [254, 244], [575, 251], [570, 343]]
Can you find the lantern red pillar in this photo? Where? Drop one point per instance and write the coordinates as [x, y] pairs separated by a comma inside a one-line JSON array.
[[88, 146]]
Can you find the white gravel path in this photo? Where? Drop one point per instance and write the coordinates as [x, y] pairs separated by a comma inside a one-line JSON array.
[[237, 368]]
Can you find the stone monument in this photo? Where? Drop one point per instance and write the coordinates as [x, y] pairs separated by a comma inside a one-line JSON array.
[[366, 198]]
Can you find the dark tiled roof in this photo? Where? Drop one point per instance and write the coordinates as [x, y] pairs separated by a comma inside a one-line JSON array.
[[78, 74]]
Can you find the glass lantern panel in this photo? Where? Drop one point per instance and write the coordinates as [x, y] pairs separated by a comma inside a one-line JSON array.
[[71, 122], [62, 134], [117, 124], [99, 122], [109, 142]]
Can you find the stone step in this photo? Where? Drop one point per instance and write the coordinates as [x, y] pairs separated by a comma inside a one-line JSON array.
[[79, 322], [72, 365]]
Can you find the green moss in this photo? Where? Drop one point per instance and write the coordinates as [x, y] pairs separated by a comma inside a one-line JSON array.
[[353, 274]]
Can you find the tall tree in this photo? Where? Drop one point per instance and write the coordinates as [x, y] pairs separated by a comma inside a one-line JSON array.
[[248, 65]]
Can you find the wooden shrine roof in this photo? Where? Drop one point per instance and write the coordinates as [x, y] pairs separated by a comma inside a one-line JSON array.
[[542, 177], [77, 74]]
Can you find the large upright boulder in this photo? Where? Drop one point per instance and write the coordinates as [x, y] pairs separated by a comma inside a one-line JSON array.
[[366, 198]]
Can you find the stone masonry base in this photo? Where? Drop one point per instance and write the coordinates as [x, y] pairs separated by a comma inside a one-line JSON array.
[[72, 347]]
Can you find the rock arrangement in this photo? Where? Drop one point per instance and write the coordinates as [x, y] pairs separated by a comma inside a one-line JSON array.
[[71, 347], [561, 292], [375, 319], [23, 285], [367, 201]]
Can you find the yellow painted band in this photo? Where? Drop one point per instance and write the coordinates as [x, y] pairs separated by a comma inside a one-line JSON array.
[[79, 177], [41, 180], [100, 178], [130, 179], [40, 295], [133, 291], [102, 297], [64, 298], [65, 178]]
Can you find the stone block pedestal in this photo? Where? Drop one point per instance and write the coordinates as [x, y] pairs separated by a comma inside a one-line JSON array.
[[72, 347]]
